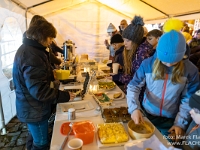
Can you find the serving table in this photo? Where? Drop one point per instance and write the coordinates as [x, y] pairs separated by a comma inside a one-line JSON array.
[[93, 115]]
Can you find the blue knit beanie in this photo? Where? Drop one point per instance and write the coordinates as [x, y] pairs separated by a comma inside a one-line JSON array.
[[171, 47]]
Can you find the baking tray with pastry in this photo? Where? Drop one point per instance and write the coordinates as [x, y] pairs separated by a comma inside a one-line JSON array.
[[111, 134], [115, 114]]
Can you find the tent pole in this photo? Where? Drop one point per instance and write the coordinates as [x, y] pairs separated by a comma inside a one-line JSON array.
[[192, 13], [26, 19], [155, 8], [3, 131], [27, 8]]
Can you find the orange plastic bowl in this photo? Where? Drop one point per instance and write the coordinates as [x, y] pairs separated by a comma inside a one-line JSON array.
[[64, 129], [84, 130]]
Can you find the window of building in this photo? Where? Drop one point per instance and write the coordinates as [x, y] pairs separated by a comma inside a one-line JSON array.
[[10, 40]]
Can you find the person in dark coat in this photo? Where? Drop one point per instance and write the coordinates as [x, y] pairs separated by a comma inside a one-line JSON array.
[[192, 136], [195, 43], [117, 43], [34, 83], [53, 48]]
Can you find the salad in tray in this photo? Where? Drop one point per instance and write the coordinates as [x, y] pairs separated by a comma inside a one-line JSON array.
[[102, 98]]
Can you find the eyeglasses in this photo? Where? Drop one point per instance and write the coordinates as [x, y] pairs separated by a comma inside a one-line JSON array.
[[114, 44], [197, 111], [111, 32]]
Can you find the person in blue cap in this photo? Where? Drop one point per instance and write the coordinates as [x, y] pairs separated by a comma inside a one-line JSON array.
[[170, 81]]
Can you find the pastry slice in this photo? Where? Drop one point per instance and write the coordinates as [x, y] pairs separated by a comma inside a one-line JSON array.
[[117, 95]]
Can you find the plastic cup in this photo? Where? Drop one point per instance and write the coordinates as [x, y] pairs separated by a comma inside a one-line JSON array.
[[115, 67], [75, 144]]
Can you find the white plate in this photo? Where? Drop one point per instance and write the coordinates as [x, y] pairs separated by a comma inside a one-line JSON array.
[[111, 95], [78, 106]]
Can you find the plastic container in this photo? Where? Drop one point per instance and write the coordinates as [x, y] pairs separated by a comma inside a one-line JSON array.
[[62, 74], [64, 129], [84, 130]]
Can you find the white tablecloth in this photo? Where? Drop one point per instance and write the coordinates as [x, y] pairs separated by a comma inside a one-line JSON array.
[[96, 118]]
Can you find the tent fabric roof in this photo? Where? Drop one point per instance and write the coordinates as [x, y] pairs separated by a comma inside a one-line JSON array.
[[150, 10]]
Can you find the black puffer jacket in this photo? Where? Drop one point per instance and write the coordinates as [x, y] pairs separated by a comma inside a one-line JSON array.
[[32, 76]]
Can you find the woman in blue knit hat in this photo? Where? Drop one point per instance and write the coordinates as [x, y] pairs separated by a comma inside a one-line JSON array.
[[170, 81]]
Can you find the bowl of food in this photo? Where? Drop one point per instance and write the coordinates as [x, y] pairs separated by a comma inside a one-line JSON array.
[[142, 130]]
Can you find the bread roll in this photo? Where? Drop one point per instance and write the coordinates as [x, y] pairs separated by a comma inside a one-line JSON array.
[[117, 95]]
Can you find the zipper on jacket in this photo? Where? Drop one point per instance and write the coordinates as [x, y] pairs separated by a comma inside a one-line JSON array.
[[146, 97], [163, 94]]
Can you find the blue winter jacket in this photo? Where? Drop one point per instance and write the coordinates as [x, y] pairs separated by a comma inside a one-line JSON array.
[[162, 97]]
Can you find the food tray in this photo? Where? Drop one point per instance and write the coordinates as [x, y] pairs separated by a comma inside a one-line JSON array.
[[78, 106], [102, 99], [106, 84], [101, 145], [115, 114]]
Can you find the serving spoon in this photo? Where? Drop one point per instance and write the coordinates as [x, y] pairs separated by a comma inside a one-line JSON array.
[[66, 138]]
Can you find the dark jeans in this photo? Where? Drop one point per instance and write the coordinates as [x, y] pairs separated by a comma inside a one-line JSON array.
[[163, 124], [38, 138]]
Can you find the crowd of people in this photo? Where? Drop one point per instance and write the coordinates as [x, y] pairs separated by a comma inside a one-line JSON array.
[[158, 70], [160, 74]]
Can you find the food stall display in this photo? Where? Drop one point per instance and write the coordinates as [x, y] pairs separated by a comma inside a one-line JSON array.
[[115, 114], [106, 84], [102, 99], [112, 133]]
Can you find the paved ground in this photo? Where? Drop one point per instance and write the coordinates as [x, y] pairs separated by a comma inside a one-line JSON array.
[[15, 139]]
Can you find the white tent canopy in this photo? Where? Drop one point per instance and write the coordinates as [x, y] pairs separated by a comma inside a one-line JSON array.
[[150, 10], [84, 22]]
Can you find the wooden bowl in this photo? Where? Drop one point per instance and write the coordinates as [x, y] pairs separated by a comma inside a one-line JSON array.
[[140, 131]]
